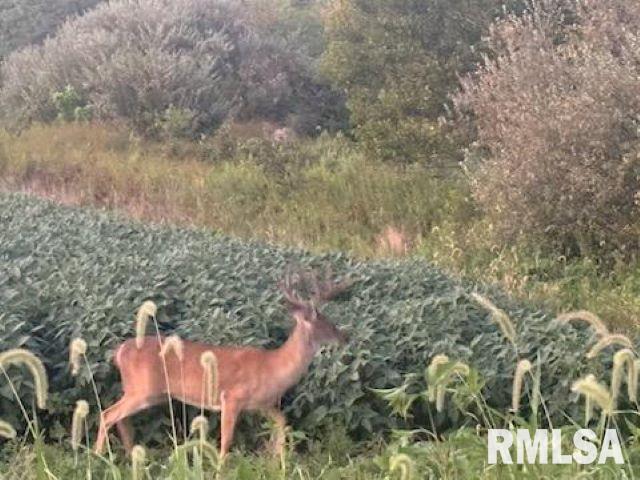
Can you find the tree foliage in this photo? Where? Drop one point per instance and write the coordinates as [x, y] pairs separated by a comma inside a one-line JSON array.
[[25, 22], [397, 61], [556, 112], [138, 59]]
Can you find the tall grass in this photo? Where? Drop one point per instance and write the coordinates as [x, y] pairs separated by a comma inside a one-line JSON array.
[[321, 194], [325, 195], [407, 455]]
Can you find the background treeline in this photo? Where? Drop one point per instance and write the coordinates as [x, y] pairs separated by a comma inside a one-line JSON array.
[[496, 138], [25, 22]]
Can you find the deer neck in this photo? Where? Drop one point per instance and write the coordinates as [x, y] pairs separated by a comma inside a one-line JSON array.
[[294, 356]]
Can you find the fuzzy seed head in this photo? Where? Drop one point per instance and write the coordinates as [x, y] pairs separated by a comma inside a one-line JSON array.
[[498, 316], [138, 459], [77, 423], [402, 462], [595, 391], [146, 311], [77, 350], [585, 316], [441, 392], [173, 344], [432, 374], [523, 367], [621, 359], [22, 357], [7, 431], [608, 340], [633, 381], [588, 404], [200, 427], [438, 379], [209, 363]]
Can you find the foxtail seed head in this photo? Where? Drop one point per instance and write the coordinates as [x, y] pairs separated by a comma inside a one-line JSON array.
[[621, 359], [173, 344], [77, 423], [585, 316], [19, 356], [200, 427], [138, 459], [440, 373], [608, 340], [77, 349], [588, 404], [498, 316], [402, 462], [147, 310], [432, 374], [7, 431], [441, 392], [522, 368], [633, 382], [209, 363], [595, 391]]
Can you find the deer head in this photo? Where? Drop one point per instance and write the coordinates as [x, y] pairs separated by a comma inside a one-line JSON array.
[[305, 311]]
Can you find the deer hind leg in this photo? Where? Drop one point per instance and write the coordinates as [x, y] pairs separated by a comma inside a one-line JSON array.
[[126, 434], [281, 425], [229, 409], [123, 408]]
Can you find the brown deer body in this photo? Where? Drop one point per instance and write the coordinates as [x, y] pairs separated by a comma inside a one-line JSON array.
[[248, 379]]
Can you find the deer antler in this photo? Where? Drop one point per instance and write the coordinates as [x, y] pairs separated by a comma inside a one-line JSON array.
[[327, 289], [321, 290], [286, 286]]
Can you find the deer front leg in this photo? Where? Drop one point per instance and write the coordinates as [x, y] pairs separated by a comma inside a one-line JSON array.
[[123, 408], [229, 410], [111, 415]]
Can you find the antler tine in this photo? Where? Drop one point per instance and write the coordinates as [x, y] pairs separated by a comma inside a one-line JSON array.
[[328, 289], [287, 291]]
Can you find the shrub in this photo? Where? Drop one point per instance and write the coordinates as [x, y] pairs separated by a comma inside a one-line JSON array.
[[70, 106], [31, 21], [67, 273], [397, 62], [556, 113], [164, 66], [304, 101]]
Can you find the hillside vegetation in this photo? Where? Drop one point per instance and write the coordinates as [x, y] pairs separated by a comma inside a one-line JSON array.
[[473, 164], [68, 273], [27, 22], [322, 195]]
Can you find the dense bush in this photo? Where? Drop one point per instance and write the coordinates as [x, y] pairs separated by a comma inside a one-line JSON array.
[[556, 114], [309, 105], [397, 61], [26, 22], [155, 62], [65, 273]]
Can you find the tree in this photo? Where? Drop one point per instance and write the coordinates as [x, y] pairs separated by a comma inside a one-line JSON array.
[[397, 61], [557, 112], [150, 62], [25, 22]]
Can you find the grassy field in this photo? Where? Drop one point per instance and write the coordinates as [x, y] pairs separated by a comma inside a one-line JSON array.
[[321, 195]]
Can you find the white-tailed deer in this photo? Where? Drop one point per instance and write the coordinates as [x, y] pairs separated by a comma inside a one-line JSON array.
[[248, 379]]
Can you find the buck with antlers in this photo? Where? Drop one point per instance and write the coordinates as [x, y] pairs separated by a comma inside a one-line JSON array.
[[248, 379]]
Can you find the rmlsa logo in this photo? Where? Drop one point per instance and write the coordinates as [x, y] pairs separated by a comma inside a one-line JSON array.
[[535, 449]]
